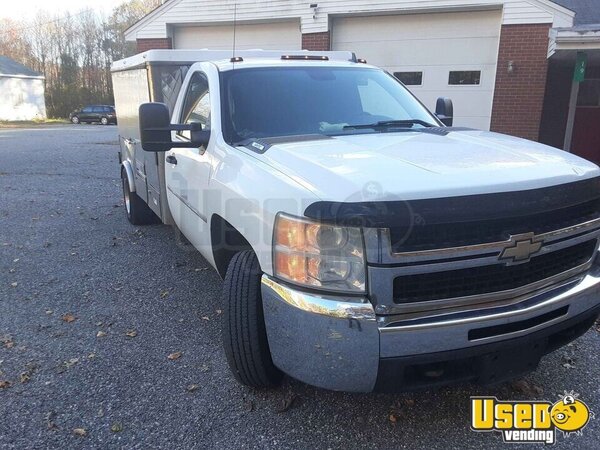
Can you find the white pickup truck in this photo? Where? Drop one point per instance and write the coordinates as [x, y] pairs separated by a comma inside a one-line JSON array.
[[365, 243]]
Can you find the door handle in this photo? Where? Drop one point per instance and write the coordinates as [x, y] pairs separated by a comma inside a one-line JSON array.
[[171, 159]]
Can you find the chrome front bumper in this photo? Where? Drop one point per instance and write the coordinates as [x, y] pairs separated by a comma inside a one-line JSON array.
[[337, 342]]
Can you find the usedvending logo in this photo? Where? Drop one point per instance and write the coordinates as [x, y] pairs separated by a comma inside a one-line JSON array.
[[530, 421]]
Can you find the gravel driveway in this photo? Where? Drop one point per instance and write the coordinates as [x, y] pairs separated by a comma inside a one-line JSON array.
[[91, 308]]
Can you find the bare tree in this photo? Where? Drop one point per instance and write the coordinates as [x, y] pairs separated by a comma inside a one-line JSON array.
[[73, 51]]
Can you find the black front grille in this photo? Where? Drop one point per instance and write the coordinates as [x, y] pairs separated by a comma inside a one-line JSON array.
[[419, 237], [487, 279]]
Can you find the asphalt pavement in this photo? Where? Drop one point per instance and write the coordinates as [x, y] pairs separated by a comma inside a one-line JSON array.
[[110, 333]]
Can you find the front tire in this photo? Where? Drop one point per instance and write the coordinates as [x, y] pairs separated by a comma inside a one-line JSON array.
[[244, 333], [75, 120], [138, 212]]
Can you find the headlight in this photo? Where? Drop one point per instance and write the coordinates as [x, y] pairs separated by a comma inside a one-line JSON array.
[[319, 255]]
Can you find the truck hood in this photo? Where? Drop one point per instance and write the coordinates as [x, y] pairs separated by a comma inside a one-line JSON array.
[[419, 165]]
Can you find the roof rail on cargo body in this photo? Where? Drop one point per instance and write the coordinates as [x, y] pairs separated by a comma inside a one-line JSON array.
[[192, 56]]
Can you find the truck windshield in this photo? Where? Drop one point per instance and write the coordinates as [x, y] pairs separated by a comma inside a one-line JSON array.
[[290, 101]]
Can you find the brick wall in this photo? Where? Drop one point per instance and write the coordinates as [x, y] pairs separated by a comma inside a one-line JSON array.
[[316, 41], [519, 96], [151, 44]]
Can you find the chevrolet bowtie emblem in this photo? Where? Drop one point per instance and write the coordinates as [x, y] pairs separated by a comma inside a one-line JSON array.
[[520, 249]]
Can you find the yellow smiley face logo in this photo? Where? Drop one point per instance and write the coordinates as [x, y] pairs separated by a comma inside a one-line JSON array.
[[570, 415]]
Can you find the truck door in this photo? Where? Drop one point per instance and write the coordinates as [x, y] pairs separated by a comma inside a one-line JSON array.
[[187, 170]]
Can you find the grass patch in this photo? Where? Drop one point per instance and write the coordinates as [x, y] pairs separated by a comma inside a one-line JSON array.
[[31, 123]]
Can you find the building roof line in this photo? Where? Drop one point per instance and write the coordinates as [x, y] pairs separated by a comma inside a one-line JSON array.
[[586, 11], [551, 6], [168, 4], [11, 68], [558, 6], [32, 77]]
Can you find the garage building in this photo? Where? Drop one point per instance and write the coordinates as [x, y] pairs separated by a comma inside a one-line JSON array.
[[21, 91], [509, 65]]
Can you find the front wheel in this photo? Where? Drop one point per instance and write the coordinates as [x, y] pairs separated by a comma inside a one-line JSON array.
[[244, 333], [75, 120]]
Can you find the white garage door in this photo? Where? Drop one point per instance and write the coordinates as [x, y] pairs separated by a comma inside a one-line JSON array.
[[441, 54], [268, 36]]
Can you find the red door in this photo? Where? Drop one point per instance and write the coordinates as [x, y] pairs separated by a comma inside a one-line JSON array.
[[586, 133]]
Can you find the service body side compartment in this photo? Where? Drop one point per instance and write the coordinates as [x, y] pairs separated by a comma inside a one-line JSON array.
[[131, 89], [160, 82]]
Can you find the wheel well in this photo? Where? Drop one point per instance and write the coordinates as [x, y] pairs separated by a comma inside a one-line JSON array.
[[226, 241], [126, 167]]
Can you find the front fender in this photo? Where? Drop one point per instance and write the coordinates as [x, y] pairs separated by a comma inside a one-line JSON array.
[[248, 194]]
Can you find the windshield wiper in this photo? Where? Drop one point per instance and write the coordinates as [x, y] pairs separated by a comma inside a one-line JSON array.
[[385, 124]]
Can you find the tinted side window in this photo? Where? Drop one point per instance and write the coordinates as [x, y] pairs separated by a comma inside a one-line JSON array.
[[196, 106], [87, 110], [98, 109]]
